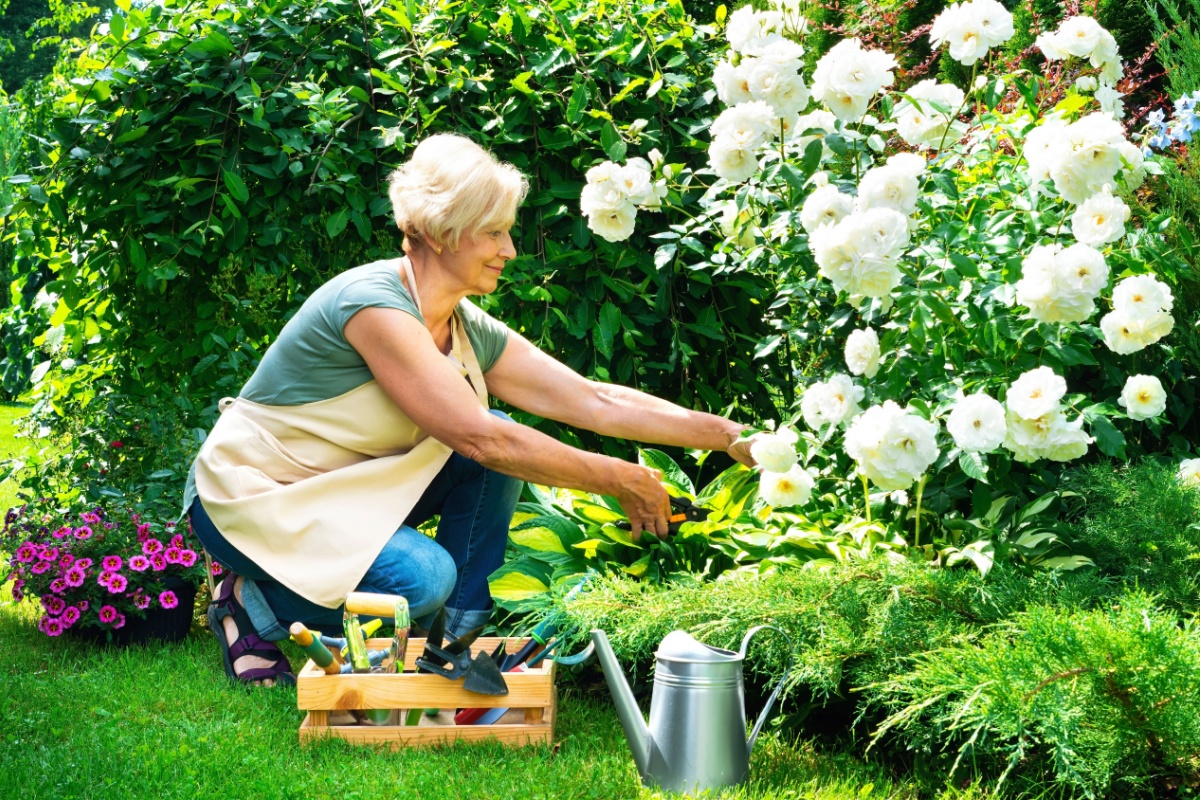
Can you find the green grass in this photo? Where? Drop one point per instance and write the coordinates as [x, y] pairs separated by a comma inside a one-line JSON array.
[[78, 721], [10, 446]]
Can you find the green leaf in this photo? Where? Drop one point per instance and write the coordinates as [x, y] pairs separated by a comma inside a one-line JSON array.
[[236, 186], [515, 585], [974, 465], [673, 476], [578, 102], [610, 323], [337, 223], [132, 135], [614, 146], [540, 539], [1110, 440], [521, 83]]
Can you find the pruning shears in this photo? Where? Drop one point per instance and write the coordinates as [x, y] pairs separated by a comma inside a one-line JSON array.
[[683, 510]]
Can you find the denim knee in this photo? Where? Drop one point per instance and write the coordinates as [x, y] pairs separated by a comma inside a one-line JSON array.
[[437, 583]]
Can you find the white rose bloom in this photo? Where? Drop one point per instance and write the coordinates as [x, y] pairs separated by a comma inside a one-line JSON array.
[[733, 163], [783, 90], [1082, 269], [730, 216], [1100, 219], [892, 448], [733, 83], [1066, 441], [1036, 393], [1049, 436], [1189, 472], [858, 254], [613, 224], [1079, 36], [922, 125], [1043, 148], [1110, 100], [599, 197], [774, 452], [831, 402], [603, 173], [996, 22], [1061, 284], [962, 28], [1085, 84], [1143, 397], [1125, 334], [782, 489], [889, 186], [977, 423], [634, 180], [746, 125], [819, 119], [862, 353], [750, 31], [825, 206], [1142, 296], [1051, 46], [783, 53], [847, 77]]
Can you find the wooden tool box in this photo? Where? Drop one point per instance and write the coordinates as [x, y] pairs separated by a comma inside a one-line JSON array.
[[532, 693]]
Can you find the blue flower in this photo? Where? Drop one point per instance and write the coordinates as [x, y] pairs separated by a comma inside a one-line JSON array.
[[1180, 133], [1160, 141], [1158, 119]]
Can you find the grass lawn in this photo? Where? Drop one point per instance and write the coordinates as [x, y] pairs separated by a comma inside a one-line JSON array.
[[9, 447], [77, 721]]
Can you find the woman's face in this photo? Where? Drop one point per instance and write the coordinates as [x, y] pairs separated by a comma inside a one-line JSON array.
[[480, 258]]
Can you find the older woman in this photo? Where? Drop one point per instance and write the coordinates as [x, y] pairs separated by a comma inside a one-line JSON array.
[[369, 415]]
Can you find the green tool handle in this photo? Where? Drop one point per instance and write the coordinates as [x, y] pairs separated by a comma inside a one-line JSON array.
[[318, 652], [356, 643]]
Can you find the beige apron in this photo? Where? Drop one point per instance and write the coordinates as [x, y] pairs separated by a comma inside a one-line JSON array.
[[311, 493]]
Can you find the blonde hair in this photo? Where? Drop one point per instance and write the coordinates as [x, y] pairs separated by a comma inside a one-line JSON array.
[[450, 186]]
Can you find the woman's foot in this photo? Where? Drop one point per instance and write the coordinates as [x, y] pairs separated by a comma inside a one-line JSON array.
[[248, 657]]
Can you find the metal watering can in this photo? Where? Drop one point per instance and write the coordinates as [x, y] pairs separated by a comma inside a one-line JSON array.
[[696, 738]]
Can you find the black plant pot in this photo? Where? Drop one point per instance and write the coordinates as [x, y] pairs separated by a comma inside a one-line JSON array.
[[159, 624]]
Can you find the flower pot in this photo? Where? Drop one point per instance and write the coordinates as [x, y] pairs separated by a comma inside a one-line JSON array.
[[159, 624]]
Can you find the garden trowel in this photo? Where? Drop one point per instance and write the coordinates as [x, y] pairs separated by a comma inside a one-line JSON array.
[[454, 662]]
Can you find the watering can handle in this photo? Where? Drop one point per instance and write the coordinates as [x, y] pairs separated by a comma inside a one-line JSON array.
[[762, 715]]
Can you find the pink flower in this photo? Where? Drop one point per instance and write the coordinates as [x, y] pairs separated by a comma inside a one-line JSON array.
[[18, 594], [139, 564], [70, 616], [112, 563], [49, 554], [141, 601], [158, 562], [62, 532], [107, 613], [152, 546], [84, 604], [84, 563], [118, 444], [83, 532], [119, 622], [108, 526], [217, 569], [26, 552], [103, 578], [187, 558], [66, 561], [170, 525], [143, 531], [53, 627], [90, 517], [168, 599], [117, 583], [75, 577], [40, 567], [173, 555], [53, 605], [58, 585], [177, 541]]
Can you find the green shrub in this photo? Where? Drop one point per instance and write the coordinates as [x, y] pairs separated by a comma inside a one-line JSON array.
[[1094, 701]]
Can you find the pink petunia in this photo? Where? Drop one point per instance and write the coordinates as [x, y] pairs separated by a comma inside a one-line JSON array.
[[62, 532], [139, 563], [177, 541], [25, 553], [18, 591], [83, 532], [70, 616], [187, 558], [112, 563], [152, 546], [108, 526], [107, 614], [90, 517], [58, 585], [217, 569], [173, 555], [53, 627], [53, 605], [40, 567], [143, 531], [48, 554], [142, 601], [117, 583], [66, 561], [103, 578], [168, 599], [119, 622], [171, 525], [158, 562], [84, 604], [75, 577], [83, 563]]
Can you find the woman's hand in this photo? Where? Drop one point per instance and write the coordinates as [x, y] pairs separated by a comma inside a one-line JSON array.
[[739, 451], [645, 501]]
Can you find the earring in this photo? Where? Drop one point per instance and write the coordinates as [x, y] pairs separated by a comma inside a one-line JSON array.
[[438, 251]]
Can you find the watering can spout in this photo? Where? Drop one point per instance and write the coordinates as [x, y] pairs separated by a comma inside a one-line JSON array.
[[636, 730]]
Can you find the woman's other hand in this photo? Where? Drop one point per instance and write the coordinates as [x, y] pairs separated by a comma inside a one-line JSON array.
[[739, 451], [645, 501]]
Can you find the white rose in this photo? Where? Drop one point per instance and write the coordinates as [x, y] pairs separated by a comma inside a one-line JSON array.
[[783, 53], [613, 224], [1079, 36], [858, 254], [783, 90], [1082, 269], [1142, 296], [862, 353], [891, 187], [1036, 393], [996, 22], [746, 125], [774, 452], [730, 217], [600, 197], [1143, 397], [825, 206], [1044, 147], [782, 489], [920, 124], [1061, 285], [1066, 441], [1049, 436], [635, 181], [1189, 472], [847, 77], [733, 163], [962, 28], [977, 423], [831, 402], [892, 448], [750, 31], [1110, 100], [733, 83], [1125, 334], [603, 173], [821, 120], [1051, 46], [1100, 219], [1085, 83]]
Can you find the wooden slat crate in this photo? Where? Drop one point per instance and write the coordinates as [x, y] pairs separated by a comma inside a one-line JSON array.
[[532, 692]]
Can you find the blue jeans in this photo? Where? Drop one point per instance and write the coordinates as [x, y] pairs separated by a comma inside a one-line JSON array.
[[476, 505]]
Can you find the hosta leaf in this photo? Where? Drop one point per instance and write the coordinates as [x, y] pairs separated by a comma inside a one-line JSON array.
[[515, 585], [673, 476], [540, 538]]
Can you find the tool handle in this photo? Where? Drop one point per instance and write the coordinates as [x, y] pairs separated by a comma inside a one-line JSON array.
[[372, 605], [318, 652]]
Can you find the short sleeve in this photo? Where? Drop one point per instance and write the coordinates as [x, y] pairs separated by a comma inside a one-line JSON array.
[[376, 288], [487, 334]]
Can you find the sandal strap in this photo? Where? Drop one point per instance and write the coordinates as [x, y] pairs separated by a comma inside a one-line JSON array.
[[253, 644]]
